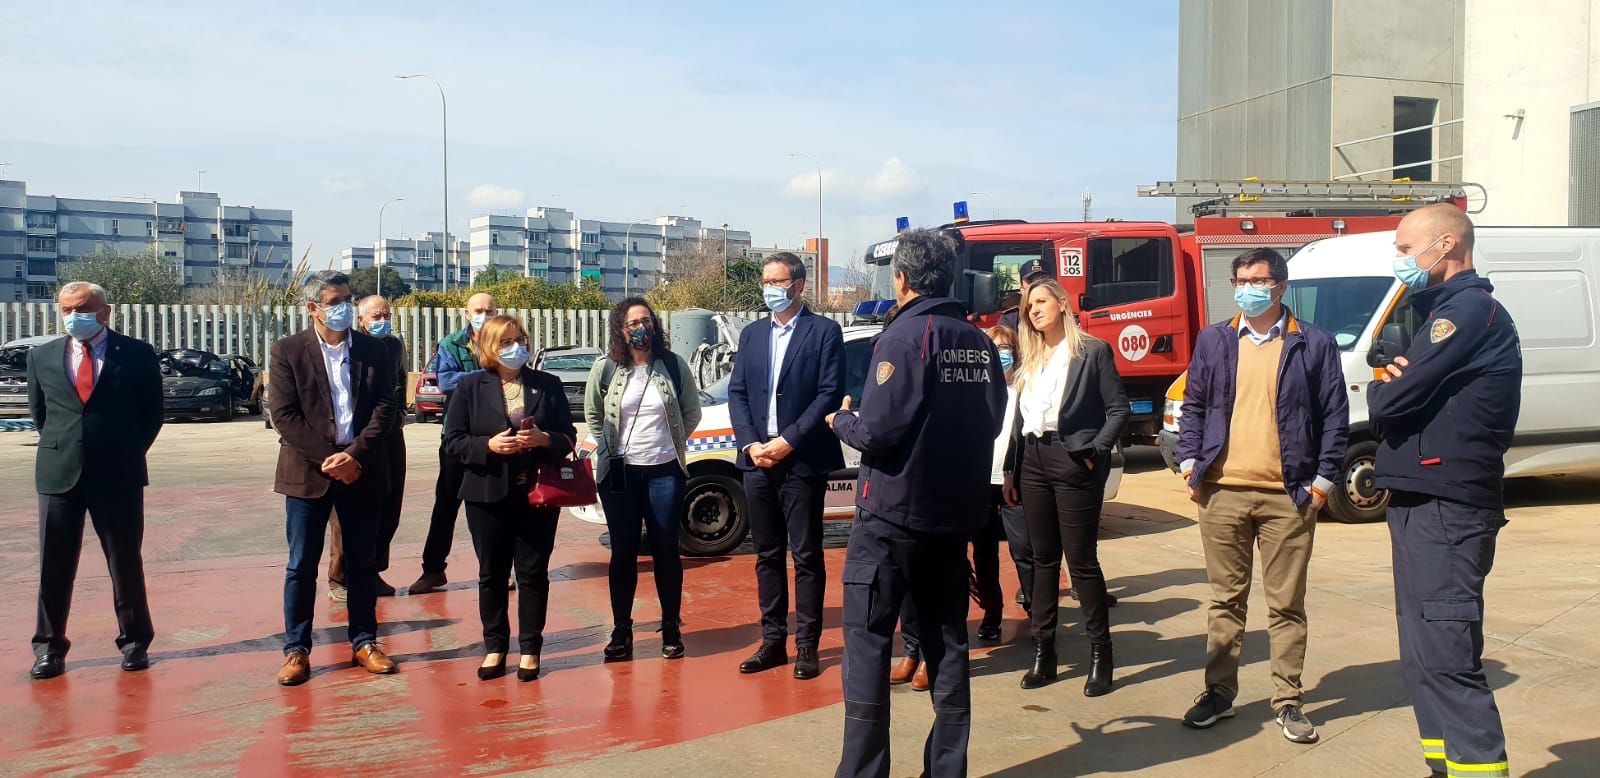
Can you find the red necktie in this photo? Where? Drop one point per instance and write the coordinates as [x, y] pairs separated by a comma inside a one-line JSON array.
[[85, 374]]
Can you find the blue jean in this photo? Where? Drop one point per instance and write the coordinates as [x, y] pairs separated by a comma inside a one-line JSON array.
[[307, 521], [635, 497]]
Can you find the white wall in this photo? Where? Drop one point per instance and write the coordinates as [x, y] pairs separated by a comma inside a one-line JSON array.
[[1537, 56]]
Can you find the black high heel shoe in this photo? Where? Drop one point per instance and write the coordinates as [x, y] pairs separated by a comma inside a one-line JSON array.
[[526, 674], [1043, 672], [671, 642], [621, 646], [491, 672], [1101, 666]]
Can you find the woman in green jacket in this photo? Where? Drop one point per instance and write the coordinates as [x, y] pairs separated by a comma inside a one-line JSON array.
[[641, 405]]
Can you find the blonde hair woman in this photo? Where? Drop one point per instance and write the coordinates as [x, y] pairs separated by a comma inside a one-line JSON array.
[[1071, 411]]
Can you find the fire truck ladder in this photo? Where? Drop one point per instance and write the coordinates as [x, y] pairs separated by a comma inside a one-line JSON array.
[[1280, 196]]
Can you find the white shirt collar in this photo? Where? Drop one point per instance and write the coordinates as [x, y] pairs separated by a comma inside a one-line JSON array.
[[1272, 332]]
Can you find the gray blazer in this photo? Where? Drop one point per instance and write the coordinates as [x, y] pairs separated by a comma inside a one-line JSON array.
[[602, 409]]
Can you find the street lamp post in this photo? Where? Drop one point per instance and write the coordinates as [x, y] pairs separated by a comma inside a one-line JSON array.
[[444, 114], [819, 203], [377, 266], [724, 267], [627, 256]]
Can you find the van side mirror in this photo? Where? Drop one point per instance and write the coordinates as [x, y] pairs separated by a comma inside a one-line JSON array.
[[982, 296], [1391, 343]]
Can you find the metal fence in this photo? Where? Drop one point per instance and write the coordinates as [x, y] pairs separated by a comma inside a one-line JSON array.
[[249, 330]]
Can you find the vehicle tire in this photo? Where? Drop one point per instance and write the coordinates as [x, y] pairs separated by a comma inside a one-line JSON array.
[[1355, 500], [715, 521]]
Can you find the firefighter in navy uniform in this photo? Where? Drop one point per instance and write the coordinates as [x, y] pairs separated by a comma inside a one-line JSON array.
[[930, 411], [1445, 413]]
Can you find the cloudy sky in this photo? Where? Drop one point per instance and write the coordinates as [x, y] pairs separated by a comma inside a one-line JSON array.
[[616, 111]]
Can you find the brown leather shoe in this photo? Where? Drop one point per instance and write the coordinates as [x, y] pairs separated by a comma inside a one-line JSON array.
[[372, 658], [919, 682], [296, 668], [903, 670], [426, 583]]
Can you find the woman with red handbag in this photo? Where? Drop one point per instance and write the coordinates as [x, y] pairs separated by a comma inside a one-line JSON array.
[[505, 422]]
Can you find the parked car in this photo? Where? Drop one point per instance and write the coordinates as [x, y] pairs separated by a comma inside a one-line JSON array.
[[430, 400], [200, 384], [14, 375], [246, 372], [571, 364], [716, 520]]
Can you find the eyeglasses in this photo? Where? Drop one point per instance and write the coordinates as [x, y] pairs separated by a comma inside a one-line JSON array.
[[636, 324], [782, 283], [1253, 283]]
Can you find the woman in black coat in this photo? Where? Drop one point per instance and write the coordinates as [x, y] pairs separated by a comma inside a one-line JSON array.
[[1071, 411], [503, 421]]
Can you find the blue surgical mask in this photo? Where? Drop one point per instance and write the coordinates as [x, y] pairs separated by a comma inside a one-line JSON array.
[[776, 298], [514, 356], [1251, 300], [82, 326], [378, 329], [478, 320], [1414, 277], [1006, 359], [338, 317]]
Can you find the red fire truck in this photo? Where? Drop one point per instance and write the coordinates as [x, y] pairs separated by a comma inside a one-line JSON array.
[[1147, 288]]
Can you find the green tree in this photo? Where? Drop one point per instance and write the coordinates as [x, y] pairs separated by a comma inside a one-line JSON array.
[[365, 281], [490, 276], [704, 277], [135, 279], [517, 292]]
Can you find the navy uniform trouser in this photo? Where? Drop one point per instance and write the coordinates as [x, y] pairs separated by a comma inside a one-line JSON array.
[[1443, 551], [885, 565]]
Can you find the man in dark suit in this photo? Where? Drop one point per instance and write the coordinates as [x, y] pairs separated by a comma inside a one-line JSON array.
[[788, 377], [95, 396], [373, 318], [333, 406]]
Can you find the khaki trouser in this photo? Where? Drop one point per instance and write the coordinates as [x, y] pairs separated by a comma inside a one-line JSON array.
[[1233, 521]]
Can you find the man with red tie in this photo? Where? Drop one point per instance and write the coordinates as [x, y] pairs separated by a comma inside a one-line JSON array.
[[95, 396]]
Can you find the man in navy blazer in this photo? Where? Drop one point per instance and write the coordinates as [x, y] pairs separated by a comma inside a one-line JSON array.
[[789, 375]]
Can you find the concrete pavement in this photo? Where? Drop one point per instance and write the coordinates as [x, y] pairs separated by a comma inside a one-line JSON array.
[[215, 550]]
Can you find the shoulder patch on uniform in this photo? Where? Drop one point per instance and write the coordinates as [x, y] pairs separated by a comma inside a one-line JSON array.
[[1442, 330], [885, 369]]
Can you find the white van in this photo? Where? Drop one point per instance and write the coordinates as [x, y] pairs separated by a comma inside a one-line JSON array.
[[715, 519], [1548, 278]]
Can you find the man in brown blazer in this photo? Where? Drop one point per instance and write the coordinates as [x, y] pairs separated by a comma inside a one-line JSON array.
[[333, 405]]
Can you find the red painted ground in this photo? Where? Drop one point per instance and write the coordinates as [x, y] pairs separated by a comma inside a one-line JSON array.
[[209, 703]]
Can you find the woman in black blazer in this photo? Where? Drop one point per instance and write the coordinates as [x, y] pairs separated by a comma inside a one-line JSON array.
[[502, 422], [1071, 410]]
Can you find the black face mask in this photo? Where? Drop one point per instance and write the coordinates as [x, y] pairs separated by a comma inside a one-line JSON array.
[[640, 338]]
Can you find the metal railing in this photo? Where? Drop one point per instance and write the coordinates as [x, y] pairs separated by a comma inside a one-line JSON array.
[[249, 331]]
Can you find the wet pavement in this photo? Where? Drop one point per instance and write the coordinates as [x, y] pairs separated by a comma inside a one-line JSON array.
[[214, 551]]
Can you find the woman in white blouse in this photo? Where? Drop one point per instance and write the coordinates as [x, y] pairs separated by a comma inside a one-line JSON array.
[[1071, 411]]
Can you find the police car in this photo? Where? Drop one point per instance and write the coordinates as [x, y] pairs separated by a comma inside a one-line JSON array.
[[716, 520]]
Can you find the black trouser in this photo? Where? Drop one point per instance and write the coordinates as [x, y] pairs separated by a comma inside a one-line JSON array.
[[1015, 524], [985, 568], [786, 515], [118, 516], [1061, 499], [885, 565], [389, 504], [446, 504], [634, 496], [509, 534]]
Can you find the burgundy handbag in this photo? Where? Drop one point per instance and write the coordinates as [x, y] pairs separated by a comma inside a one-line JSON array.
[[564, 483]]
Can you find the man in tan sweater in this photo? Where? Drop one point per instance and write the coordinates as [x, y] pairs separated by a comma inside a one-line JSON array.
[[1264, 430]]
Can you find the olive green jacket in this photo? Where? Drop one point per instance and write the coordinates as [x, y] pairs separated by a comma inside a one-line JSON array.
[[602, 409]]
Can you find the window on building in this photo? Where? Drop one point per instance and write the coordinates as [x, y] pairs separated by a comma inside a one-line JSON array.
[[539, 272], [149, 228], [538, 238], [1128, 270], [37, 243], [538, 254], [1414, 147], [38, 291], [591, 238], [41, 220], [115, 230], [171, 253], [41, 267], [238, 251], [18, 268]]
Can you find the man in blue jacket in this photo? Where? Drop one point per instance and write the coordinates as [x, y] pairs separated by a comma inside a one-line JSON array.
[[1446, 412], [1263, 435], [789, 375], [930, 412]]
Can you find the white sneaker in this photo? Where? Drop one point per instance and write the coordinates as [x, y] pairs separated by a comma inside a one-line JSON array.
[[1296, 727]]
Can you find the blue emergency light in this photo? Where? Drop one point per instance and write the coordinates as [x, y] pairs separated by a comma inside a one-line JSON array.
[[961, 212], [864, 308], [901, 224]]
